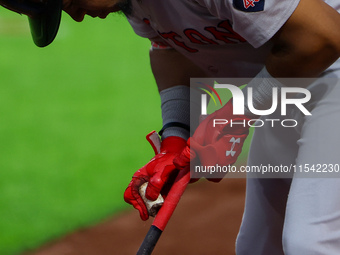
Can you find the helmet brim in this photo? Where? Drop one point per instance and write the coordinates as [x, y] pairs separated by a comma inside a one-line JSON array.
[[44, 26]]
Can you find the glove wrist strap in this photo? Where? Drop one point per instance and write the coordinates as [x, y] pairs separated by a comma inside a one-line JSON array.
[[174, 124]]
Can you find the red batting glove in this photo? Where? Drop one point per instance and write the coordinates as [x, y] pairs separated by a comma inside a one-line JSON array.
[[158, 172], [220, 145]]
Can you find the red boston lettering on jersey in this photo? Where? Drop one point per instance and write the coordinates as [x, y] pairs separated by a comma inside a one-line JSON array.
[[249, 3], [229, 36], [172, 36], [222, 33], [196, 37]]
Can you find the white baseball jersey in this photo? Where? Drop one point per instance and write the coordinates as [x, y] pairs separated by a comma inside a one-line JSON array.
[[224, 37], [230, 38]]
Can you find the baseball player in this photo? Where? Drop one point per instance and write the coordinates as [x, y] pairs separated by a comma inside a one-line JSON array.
[[260, 39]]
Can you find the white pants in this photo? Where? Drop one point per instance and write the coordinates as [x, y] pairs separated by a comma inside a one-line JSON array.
[[298, 215]]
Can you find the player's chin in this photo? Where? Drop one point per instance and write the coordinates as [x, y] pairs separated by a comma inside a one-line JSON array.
[[76, 15]]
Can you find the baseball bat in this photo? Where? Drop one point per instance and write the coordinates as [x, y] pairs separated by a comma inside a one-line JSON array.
[[165, 212]]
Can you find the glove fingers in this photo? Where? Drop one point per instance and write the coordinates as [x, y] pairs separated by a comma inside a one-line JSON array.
[[153, 189], [137, 203], [183, 160], [143, 213], [158, 181], [132, 196], [195, 145]]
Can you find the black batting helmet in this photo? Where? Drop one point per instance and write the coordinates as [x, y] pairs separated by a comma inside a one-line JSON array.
[[43, 16]]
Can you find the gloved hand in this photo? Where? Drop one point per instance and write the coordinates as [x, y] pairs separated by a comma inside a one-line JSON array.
[[220, 145], [158, 172]]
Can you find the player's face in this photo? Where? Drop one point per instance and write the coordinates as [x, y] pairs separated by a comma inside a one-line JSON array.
[[77, 9]]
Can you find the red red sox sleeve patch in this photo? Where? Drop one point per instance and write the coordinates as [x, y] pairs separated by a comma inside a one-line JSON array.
[[249, 5]]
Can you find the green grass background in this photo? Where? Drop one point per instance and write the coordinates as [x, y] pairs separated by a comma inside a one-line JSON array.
[[73, 117]]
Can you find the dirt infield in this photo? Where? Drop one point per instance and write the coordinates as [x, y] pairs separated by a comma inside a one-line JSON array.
[[205, 222]]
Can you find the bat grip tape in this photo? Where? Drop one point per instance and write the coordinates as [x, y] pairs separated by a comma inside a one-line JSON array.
[[150, 241], [165, 213]]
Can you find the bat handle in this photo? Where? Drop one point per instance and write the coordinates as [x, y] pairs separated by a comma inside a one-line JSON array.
[[150, 241], [165, 213]]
